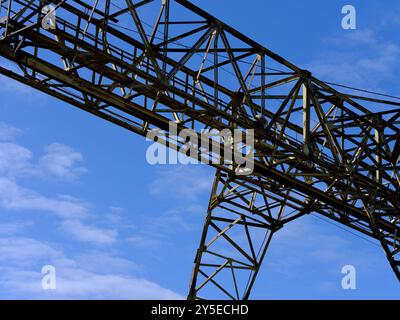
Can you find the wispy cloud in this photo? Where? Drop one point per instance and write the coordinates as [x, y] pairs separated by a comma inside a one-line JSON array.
[[79, 275], [82, 284], [91, 234], [15, 160], [359, 58], [311, 243], [59, 160], [181, 187], [15, 197], [156, 231], [181, 182], [62, 162], [14, 227], [8, 133], [75, 278]]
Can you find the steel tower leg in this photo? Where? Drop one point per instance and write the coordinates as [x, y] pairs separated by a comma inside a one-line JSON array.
[[235, 239]]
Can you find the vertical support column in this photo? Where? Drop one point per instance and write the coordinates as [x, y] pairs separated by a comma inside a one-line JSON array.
[[396, 151], [200, 250], [7, 16], [234, 241], [263, 82], [306, 117], [378, 157], [165, 3]]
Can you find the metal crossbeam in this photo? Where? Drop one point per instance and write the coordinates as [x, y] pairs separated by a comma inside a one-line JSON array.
[[142, 65]]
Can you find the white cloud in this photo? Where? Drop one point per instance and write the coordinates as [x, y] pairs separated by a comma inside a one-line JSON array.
[[155, 231], [95, 275], [82, 284], [59, 161], [20, 277], [15, 160], [71, 211], [110, 261], [354, 38], [8, 133], [185, 186], [88, 233], [9, 228], [182, 182], [113, 216], [359, 58], [145, 241], [62, 162], [311, 245], [15, 197]]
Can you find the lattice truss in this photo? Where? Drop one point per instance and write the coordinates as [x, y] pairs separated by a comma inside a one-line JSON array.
[[142, 64]]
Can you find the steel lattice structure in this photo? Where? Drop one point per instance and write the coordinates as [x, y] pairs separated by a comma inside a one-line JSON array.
[[142, 64]]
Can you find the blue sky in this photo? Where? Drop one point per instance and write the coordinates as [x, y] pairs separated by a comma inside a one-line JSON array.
[[76, 192]]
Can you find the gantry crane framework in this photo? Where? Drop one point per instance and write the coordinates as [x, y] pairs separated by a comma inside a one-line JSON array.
[[142, 64]]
